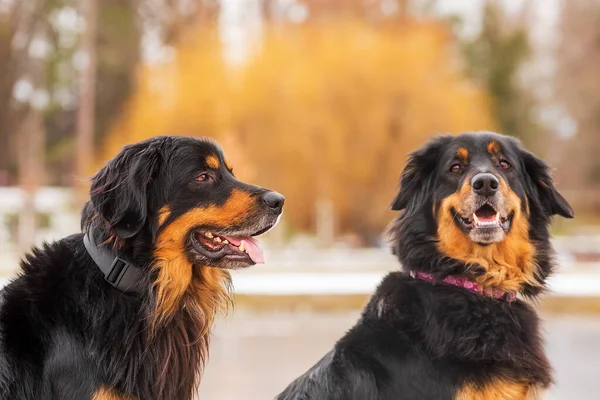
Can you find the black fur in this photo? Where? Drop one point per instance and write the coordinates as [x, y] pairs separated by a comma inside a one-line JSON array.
[[65, 332], [418, 340]]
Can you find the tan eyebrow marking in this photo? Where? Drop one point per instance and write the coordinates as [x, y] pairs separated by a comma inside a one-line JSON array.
[[493, 147], [212, 161], [463, 154]]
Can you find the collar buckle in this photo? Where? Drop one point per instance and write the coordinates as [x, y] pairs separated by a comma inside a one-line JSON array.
[[116, 272]]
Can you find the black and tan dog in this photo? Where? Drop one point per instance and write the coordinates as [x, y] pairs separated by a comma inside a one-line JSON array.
[[124, 311], [473, 235]]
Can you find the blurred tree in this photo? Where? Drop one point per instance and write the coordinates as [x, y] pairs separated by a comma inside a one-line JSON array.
[[19, 25], [170, 19], [187, 95], [62, 62], [338, 124], [6, 86], [40, 63], [115, 44], [39, 68], [84, 139], [21, 101], [31, 138], [119, 51], [495, 58], [323, 112], [370, 10], [578, 82]]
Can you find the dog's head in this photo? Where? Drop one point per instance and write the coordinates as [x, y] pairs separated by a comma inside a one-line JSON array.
[[172, 206], [181, 191], [479, 204]]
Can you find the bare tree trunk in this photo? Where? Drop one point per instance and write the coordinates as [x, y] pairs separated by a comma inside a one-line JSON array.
[[325, 212], [84, 148], [32, 140], [7, 77], [20, 19]]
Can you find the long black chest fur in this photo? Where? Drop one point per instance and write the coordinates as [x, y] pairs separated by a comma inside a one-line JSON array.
[[462, 338], [61, 322], [164, 364], [421, 341]]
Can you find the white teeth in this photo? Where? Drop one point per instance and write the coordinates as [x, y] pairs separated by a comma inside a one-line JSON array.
[[242, 246], [495, 221], [208, 235], [217, 239], [225, 241]]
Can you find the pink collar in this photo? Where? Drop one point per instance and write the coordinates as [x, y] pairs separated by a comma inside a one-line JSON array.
[[464, 283]]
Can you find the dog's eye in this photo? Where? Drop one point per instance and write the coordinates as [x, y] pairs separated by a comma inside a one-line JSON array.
[[204, 177], [504, 164], [456, 168]]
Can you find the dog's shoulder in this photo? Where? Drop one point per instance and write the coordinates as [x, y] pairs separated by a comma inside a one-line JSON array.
[[314, 384], [34, 306], [377, 358], [392, 294], [339, 375], [49, 256], [49, 268]]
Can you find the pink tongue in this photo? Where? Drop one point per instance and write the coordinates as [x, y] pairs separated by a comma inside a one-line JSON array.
[[251, 246], [486, 217]]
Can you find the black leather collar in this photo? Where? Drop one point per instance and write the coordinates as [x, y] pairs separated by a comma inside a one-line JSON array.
[[119, 273]]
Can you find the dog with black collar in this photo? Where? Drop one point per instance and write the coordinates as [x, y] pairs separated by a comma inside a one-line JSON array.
[[124, 310]]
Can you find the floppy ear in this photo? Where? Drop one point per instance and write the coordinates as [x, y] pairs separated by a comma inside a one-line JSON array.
[[541, 181], [416, 174], [119, 192], [409, 181]]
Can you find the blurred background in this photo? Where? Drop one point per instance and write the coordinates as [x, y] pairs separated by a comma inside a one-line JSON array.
[[321, 100]]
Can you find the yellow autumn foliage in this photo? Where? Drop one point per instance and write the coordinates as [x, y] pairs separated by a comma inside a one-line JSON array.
[[319, 112]]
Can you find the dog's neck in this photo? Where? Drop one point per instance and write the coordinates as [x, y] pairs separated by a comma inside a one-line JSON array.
[[119, 273], [177, 333]]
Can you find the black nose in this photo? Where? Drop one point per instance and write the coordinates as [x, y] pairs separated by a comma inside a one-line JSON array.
[[273, 200], [485, 184]]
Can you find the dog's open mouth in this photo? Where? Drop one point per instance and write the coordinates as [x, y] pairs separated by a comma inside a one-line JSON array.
[[241, 248], [485, 217]]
